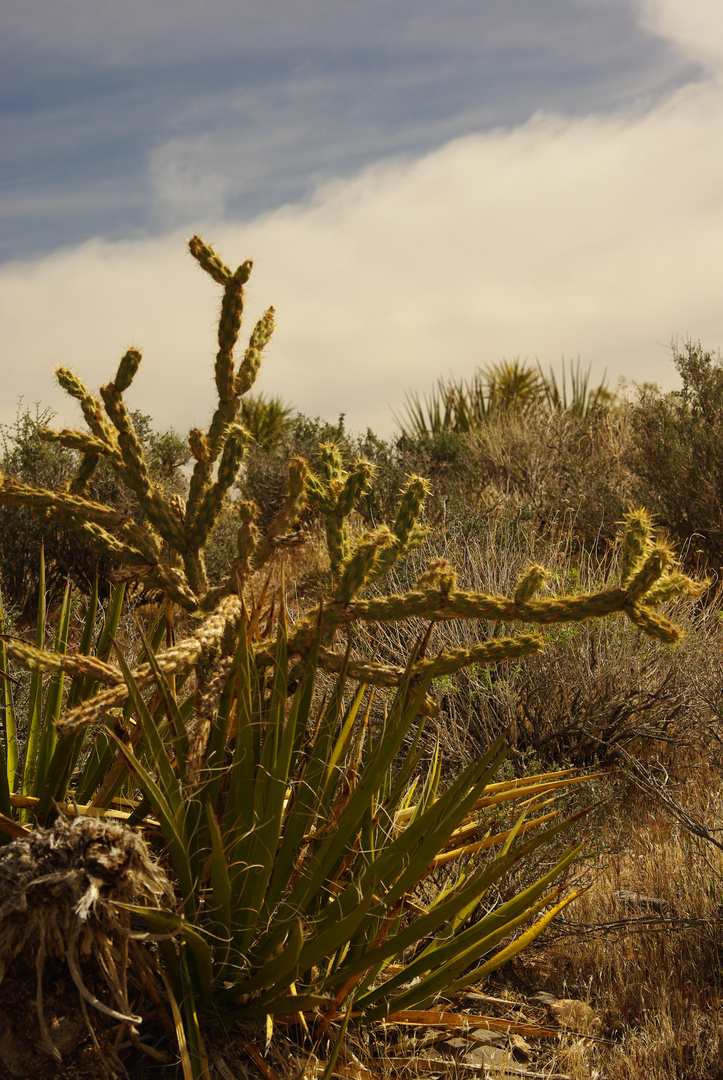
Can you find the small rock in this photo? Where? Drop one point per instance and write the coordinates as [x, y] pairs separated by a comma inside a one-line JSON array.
[[491, 1038], [520, 1048], [488, 1056], [571, 1013], [542, 997], [454, 1046]]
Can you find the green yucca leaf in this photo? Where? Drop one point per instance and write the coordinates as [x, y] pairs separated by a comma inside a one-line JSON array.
[[259, 847], [164, 922], [277, 971], [220, 914], [34, 721], [412, 852], [443, 977], [68, 748], [53, 700], [173, 827], [10, 759], [282, 1006], [490, 929], [176, 725], [340, 747], [167, 781], [438, 915], [516, 946], [78, 689], [325, 860], [427, 924], [301, 811], [103, 751], [349, 913]]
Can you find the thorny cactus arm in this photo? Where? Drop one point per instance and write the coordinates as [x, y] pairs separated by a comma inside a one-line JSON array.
[[436, 599], [152, 550]]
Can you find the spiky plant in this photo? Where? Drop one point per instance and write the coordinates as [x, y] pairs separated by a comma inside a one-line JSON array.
[[504, 389], [266, 419]]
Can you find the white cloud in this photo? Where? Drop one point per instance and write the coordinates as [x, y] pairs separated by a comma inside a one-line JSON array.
[[695, 27], [599, 237]]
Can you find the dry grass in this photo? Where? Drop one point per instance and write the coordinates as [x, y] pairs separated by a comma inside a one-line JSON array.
[[644, 945]]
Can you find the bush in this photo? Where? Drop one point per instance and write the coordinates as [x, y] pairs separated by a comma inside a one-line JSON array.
[[677, 453]]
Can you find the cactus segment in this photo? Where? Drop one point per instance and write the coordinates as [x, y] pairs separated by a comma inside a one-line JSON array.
[[249, 366], [209, 261], [127, 370], [636, 542], [530, 584]]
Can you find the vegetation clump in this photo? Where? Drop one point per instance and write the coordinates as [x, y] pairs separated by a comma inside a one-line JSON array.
[[279, 759]]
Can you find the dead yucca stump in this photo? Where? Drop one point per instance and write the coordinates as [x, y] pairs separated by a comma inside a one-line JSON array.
[[64, 944]]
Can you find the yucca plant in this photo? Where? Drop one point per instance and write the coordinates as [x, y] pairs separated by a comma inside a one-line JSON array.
[[574, 395], [299, 859], [266, 419], [507, 388], [36, 764]]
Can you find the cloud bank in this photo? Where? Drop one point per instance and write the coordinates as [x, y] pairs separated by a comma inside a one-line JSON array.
[[598, 237]]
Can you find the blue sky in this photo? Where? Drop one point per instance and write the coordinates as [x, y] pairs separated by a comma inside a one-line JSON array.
[[424, 187]]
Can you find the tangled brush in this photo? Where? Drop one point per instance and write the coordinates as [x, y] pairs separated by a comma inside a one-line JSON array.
[[61, 926]]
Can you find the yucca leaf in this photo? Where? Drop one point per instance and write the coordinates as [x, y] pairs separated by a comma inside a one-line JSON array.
[[490, 929], [75, 690], [406, 859], [172, 826], [220, 918], [421, 993], [53, 700], [161, 921], [179, 739], [258, 848], [301, 809], [68, 747], [428, 924], [307, 800], [32, 737], [290, 1005], [9, 762], [320, 946], [324, 862], [168, 781], [516, 946], [214, 764], [277, 971]]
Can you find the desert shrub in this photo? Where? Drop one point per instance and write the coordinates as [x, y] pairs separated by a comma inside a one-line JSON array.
[[22, 534], [556, 463], [597, 688], [677, 452]]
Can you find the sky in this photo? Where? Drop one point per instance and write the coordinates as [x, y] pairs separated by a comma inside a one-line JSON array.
[[424, 189]]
